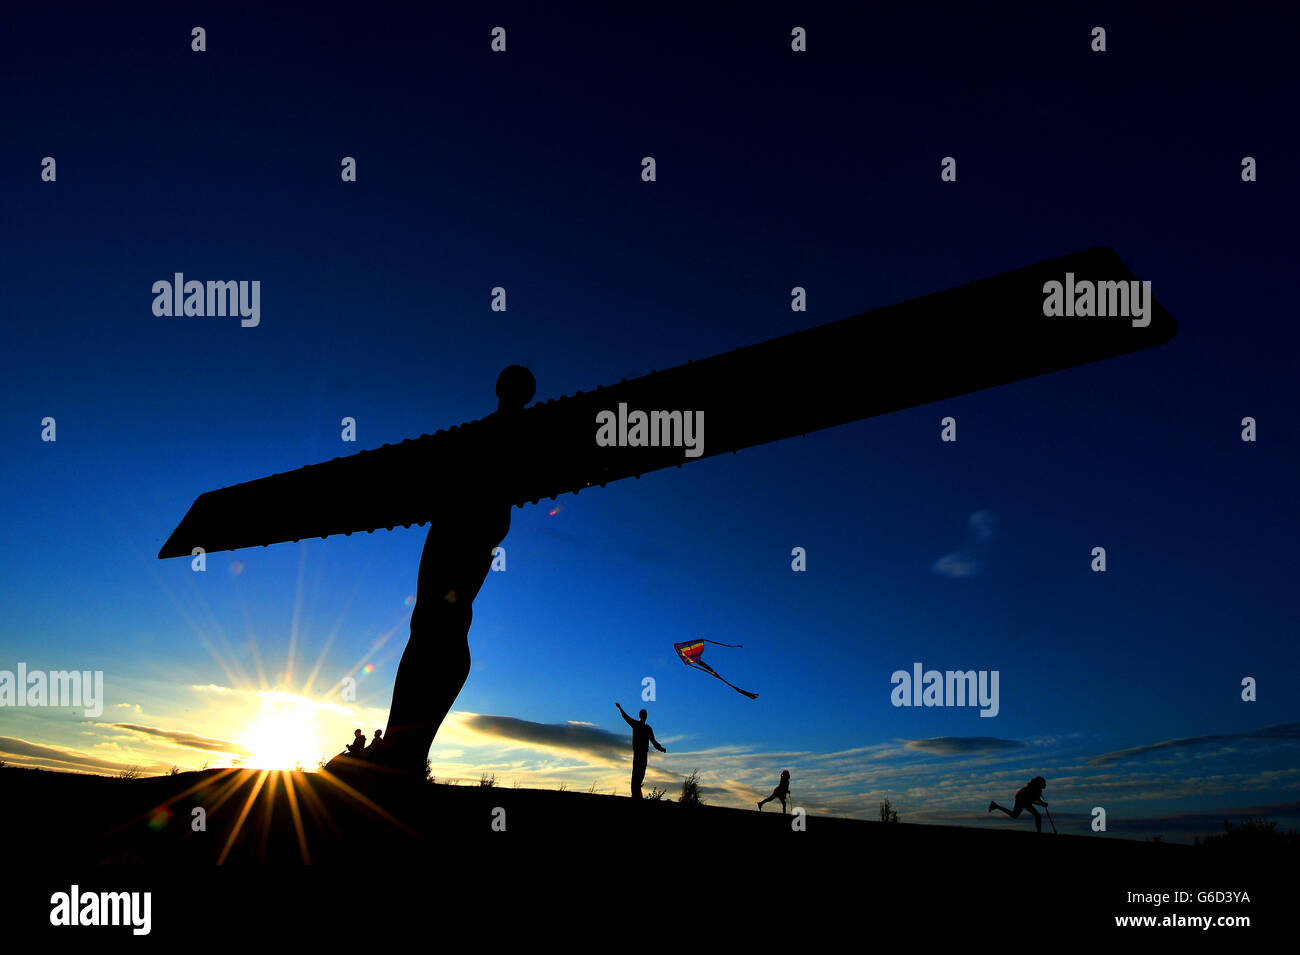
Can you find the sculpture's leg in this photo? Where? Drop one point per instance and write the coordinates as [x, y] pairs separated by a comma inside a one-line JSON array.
[[435, 664]]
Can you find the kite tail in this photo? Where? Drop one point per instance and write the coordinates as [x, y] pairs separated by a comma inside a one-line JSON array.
[[716, 644], [752, 696]]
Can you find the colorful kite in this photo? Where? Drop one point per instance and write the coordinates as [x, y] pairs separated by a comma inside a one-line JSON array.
[[692, 650]]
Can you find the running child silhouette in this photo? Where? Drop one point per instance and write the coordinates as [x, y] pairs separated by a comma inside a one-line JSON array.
[[1026, 799], [781, 792]]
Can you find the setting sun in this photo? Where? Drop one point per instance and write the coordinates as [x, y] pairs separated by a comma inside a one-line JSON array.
[[283, 736]]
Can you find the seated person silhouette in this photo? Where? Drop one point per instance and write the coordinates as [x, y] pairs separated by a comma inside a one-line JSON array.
[[642, 737], [375, 741], [456, 560], [1026, 798], [781, 791], [358, 744]]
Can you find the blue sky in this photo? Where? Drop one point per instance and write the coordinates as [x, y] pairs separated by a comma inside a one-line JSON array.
[[775, 169]]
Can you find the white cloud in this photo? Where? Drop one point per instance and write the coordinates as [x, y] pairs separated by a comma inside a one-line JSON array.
[[956, 564], [982, 523]]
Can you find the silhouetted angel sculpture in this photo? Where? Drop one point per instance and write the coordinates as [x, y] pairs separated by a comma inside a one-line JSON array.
[[456, 560]]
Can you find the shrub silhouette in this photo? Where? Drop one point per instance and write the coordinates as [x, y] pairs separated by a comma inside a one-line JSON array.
[[691, 790], [656, 794], [887, 812], [487, 780], [1252, 834]]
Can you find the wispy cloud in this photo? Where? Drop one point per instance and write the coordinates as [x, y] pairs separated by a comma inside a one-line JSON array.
[[182, 738], [1282, 731], [573, 737], [956, 564], [982, 523], [961, 745], [965, 563], [55, 758]]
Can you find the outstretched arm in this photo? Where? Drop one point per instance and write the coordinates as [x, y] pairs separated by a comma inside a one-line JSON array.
[[656, 743], [627, 719]]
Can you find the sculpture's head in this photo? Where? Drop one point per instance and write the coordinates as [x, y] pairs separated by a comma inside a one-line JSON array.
[[515, 387]]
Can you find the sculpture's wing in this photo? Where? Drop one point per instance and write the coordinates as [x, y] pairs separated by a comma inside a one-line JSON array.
[[987, 333]]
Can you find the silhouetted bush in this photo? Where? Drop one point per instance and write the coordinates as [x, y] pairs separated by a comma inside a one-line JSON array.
[[1253, 834], [887, 812], [656, 794], [487, 780], [691, 790]]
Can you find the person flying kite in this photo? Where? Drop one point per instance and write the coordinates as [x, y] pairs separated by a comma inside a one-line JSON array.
[[642, 736], [692, 650]]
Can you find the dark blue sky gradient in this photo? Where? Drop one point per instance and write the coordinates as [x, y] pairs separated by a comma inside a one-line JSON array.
[[774, 170]]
